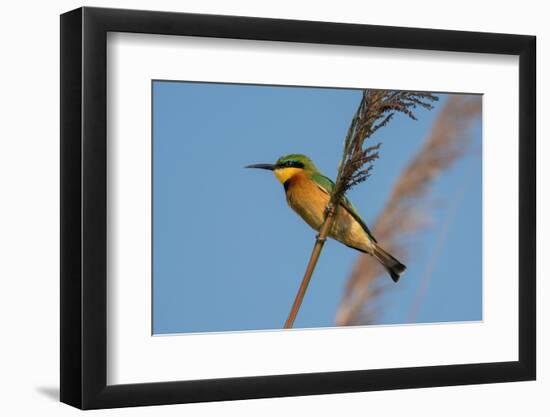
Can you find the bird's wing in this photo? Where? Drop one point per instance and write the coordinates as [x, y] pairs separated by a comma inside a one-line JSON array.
[[327, 186]]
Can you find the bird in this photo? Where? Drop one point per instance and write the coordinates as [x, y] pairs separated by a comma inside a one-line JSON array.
[[308, 192]]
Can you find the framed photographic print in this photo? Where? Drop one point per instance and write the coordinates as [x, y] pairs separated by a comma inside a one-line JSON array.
[[257, 207]]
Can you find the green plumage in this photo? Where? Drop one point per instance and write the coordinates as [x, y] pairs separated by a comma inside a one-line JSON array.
[[326, 184], [323, 182]]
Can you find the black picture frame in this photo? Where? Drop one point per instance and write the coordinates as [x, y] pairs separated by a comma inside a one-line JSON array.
[[84, 207]]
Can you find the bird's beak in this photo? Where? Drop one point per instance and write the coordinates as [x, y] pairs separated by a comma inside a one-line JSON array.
[[269, 167]]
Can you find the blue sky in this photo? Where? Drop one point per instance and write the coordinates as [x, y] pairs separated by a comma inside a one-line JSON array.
[[229, 254]]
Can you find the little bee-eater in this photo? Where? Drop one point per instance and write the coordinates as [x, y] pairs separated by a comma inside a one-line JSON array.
[[308, 193]]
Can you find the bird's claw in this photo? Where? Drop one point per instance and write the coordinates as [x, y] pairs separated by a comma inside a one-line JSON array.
[[329, 210]]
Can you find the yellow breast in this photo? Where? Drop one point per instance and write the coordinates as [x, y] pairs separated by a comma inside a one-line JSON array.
[[309, 201]]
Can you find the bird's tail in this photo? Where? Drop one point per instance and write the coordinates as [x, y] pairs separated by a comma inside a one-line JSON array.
[[392, 265]]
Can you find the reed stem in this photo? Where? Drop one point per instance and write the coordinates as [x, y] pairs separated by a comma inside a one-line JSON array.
[[376, 109], [315, 253]]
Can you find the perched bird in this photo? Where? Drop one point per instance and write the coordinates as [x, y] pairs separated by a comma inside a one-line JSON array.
[[308, 193]]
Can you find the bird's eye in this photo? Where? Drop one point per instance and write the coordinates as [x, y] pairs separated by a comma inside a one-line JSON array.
[[288, 163]]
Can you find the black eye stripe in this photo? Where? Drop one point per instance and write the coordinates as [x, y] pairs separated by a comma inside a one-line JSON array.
[[292, 164]]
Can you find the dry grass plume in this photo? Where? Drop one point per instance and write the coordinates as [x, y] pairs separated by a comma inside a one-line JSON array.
[[402, 215]]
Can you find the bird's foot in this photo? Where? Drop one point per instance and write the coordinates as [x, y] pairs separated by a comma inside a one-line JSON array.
[[329, 210]]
